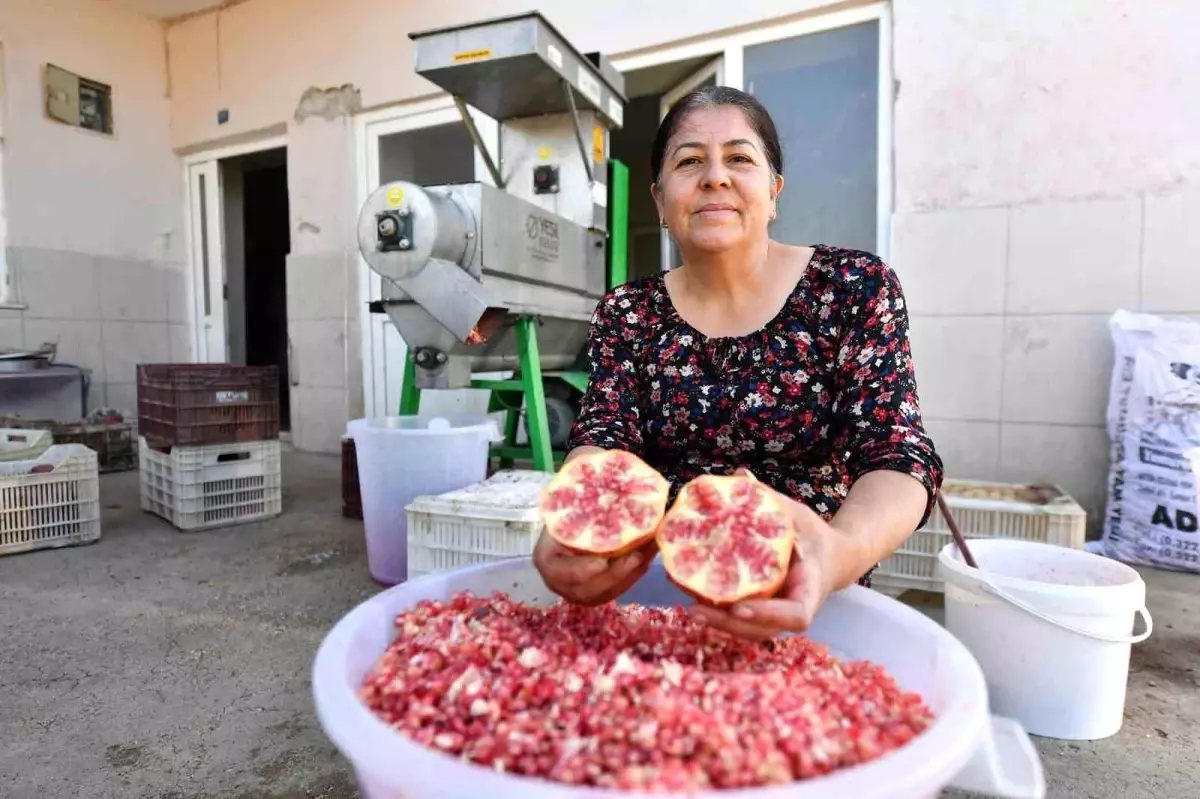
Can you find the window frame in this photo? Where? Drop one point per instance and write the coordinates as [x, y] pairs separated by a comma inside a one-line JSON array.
[[9, 291], [732, 47]]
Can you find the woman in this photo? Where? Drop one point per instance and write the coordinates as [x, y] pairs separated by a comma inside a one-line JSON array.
[[790, 363]]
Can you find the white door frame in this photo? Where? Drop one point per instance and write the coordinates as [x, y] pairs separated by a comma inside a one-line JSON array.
[[714, 69], [369, 128], [210, 344], [732, 47]]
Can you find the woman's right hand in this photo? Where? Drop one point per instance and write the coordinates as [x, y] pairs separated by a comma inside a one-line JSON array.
[[589, 579]]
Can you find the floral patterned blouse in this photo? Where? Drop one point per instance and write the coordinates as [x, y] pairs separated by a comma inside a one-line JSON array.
[[817, 397]]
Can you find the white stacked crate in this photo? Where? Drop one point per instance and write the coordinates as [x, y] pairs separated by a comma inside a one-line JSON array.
[[1043, 513], [213, 485], [488, 521], [51, 500]]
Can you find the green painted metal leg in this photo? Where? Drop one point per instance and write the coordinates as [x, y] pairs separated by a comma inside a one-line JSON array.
[[618, 224], [535, 395], [410, 395]]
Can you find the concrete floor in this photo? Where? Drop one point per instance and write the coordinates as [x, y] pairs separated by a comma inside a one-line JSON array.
[[162, 665]]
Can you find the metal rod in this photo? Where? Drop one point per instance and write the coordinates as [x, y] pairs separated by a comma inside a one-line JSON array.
[[954, 531], [469, 121], [587, 163]]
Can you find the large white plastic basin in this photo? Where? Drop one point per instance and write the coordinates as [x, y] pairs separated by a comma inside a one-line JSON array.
[[965, 747]]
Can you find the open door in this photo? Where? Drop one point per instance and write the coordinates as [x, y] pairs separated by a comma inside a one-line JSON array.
[[711, 74], [208, 274]]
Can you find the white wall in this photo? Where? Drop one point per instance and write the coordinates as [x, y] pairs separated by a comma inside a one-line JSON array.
[[1047, 161], [94, 223]]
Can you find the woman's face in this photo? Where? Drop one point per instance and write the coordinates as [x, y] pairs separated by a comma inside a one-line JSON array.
[[716, 191]]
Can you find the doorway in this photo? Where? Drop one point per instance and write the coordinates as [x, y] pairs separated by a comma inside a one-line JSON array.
[[240, 240], [651, 91], [257, 242]]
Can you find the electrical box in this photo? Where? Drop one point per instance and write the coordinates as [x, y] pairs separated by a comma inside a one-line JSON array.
[[78, 101]]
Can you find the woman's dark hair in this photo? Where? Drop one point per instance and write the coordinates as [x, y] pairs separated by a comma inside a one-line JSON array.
[[712, 97]]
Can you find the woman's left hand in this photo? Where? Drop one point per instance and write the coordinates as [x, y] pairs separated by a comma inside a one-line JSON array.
[[810, 580]]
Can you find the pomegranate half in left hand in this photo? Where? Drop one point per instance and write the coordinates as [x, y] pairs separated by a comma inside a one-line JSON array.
[[604, 503]]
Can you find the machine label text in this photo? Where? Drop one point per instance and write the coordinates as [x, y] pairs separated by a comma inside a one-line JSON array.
[[543, 237], [226, 397]]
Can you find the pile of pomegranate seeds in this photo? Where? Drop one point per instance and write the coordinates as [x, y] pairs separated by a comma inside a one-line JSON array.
[[630, 697]]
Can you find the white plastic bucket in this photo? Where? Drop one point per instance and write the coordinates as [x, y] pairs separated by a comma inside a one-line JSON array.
[[1052, 629], [964, 747], [402, 457]]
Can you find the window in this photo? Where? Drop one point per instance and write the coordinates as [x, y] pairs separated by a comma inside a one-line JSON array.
[[827, 81], [822, 90]]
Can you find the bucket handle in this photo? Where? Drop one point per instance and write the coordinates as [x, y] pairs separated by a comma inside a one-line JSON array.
[[1143, 611]]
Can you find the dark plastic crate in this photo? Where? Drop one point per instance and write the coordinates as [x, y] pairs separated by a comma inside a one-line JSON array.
[[113, 442], [190, 404]]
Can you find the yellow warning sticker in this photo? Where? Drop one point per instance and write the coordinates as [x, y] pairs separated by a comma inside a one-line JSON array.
[[544, 153], [395, 196], [598, 144], [471, 55]]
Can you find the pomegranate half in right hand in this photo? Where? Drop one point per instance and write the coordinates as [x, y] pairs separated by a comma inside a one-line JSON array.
[[726, 539]]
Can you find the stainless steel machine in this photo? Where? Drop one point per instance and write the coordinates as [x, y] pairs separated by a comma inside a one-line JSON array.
[[505, 275]]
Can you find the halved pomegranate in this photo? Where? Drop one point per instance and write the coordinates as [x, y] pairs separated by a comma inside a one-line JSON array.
[[604, 503], [726, 539]]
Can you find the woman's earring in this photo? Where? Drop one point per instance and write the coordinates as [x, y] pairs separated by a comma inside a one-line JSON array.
[[662, 223], [772, 213]]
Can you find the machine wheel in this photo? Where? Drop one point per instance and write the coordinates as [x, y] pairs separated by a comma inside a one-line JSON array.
[[560, 415]]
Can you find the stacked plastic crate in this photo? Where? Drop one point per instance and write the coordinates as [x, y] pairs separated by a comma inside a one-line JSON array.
[[1027, 512], [208, 446], [49, 493]]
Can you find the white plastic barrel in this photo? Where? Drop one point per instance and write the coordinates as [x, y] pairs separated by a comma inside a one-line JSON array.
[[1052, 629], [964, 747], [402, 457]]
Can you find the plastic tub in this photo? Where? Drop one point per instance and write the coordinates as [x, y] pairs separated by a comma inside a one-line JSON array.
[[1052, 629], [402, 457], [964, 747]]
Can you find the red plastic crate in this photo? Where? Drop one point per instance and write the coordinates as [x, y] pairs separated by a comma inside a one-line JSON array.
[[190, 404]]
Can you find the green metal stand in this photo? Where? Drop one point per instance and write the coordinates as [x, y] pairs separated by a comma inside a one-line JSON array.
[[528, 384], [527, 387]]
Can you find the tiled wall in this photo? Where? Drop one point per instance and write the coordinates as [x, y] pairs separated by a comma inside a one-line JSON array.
[[107, 315], [1010, 310]]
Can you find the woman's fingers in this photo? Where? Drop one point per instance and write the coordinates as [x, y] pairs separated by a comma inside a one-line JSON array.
[[588, 579], [792, 615], [721, 619]]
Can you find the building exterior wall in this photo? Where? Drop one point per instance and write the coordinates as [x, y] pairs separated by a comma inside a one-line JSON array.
[[94, 229], [1047, 163], [1046, 160]]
